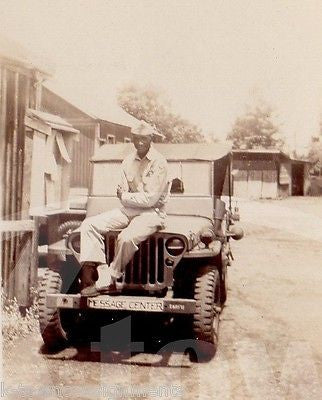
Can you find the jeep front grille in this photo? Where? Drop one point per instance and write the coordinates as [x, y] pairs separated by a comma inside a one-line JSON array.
[[146, 270]]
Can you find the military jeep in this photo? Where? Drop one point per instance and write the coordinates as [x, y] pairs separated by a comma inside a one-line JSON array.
[[180, 272]]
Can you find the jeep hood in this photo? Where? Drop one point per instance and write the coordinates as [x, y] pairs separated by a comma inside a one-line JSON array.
[[188, 225]]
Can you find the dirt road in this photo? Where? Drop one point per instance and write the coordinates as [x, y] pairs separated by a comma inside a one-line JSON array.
[[270, 334]]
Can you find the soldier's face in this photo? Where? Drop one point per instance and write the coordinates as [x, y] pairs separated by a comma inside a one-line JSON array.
[[142, 144]]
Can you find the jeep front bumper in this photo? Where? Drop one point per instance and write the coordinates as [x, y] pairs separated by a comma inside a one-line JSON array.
[[122, 303]]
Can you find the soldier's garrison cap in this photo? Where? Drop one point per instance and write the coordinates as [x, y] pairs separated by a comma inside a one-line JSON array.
[[143, 129]]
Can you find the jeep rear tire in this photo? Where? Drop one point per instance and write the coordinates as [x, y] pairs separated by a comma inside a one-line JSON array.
[[56, 326], [205, 324]]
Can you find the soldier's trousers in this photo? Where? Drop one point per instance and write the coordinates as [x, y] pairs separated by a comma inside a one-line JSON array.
[[136, 225]]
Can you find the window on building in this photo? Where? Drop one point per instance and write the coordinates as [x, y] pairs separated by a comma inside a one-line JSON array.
[[111, 139], [102, 140]]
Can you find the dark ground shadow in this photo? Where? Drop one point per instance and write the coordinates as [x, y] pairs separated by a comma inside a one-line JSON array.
[[122, 339]]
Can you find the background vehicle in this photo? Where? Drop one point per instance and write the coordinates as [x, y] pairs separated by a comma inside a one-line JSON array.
[[180, 271]]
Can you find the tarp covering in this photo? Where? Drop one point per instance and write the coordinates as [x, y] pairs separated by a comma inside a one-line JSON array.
[[172, 152]]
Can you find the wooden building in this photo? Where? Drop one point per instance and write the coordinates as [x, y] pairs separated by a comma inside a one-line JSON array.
[[50, 172], [93, 133], [20, 89], [262, 173], [35, 164]]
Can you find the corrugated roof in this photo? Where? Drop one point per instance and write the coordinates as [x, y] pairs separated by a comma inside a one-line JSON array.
[[13, 52], [172, 152]]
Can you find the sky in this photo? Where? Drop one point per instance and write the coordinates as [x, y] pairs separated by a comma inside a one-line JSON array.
[[210, 58]]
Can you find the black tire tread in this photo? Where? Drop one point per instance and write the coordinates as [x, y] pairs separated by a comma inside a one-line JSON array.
[[68, 225], [204, 293], [51, 328]]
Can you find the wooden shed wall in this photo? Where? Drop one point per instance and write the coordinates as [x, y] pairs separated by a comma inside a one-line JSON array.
[[82, 152], [18, 90], [119, 131], [93, 132], [255, 178], [267, 175]]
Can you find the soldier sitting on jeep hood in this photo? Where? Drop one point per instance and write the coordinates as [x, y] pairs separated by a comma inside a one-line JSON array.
[[143, 193]]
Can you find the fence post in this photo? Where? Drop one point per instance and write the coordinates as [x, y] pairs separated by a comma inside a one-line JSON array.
[[23, 277]]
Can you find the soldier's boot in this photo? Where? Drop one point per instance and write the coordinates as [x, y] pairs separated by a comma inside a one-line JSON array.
[[110, 284], [88, 277]]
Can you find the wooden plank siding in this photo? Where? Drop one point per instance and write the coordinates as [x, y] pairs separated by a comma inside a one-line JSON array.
[[18, 256], [269, 174], [269, 187], [256, 184], [255, 178], [82, 152]]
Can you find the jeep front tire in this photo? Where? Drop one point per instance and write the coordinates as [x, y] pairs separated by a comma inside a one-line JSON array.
[[56, 325], [205, 324]]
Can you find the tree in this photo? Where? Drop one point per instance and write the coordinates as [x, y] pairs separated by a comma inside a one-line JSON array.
[[255, 130], [315, 152], [148, 105]]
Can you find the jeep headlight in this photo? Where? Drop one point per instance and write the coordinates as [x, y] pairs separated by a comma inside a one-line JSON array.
[[174, 246], [206, 237]]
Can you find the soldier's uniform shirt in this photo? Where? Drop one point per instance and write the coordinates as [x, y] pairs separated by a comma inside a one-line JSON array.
[[145, 181], [146, 191]]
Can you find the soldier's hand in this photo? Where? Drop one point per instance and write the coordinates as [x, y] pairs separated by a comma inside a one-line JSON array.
[[119, 191]]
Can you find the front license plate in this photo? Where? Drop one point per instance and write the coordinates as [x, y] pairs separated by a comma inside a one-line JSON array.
[[126, 303]]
